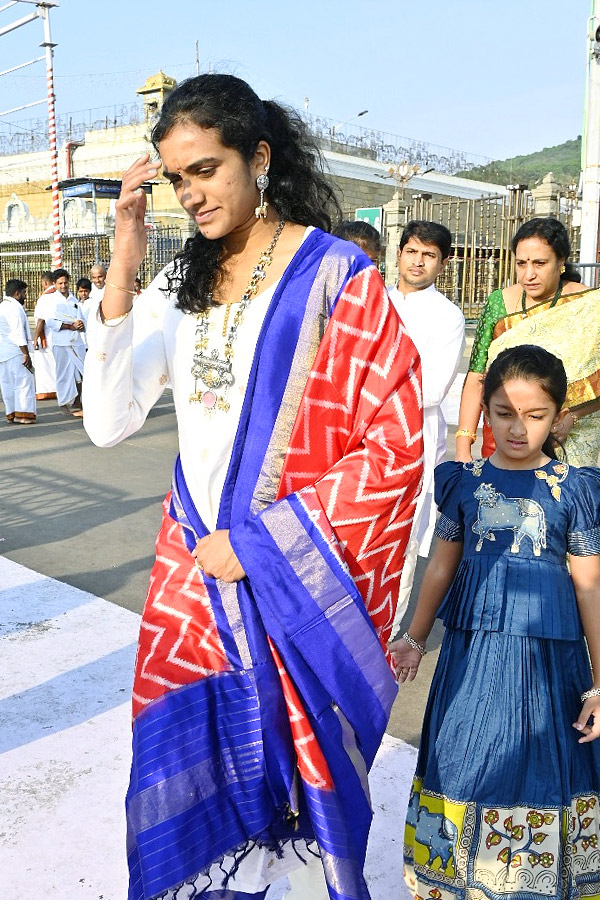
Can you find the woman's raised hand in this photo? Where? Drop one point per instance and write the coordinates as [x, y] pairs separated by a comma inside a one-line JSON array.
[[130, 229], [130, 238]]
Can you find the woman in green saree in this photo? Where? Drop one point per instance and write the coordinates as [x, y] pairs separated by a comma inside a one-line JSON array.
[[548, 307]]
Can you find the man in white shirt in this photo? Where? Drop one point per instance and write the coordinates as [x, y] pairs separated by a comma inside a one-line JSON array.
[[437, 328], [43, 359], [98, 276], [65, 320], [16, 372]]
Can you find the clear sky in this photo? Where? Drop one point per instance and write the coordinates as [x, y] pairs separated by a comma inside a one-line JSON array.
[[490, 77]]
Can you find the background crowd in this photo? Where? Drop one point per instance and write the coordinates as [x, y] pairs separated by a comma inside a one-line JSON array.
[[48, 364], [309, 478]]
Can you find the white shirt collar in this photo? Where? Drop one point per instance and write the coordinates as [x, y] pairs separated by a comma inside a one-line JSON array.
[[431, 287]]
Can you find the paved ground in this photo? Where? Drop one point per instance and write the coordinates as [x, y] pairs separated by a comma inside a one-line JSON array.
[[67, 663], [77, 528], [83, 515]]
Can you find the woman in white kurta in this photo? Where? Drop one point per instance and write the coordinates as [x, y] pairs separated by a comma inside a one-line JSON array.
[[205, 442], [257, 259]]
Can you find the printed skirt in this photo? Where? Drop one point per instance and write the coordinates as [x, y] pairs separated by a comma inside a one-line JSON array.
[[505, 801]]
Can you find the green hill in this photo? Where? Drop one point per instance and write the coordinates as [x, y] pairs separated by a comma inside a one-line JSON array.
[[564, 161]]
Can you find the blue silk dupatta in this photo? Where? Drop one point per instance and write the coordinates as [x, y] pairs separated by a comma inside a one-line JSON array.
[[218, 763]]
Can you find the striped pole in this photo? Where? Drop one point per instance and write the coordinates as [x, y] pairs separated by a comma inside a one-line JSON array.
[[44, 11]]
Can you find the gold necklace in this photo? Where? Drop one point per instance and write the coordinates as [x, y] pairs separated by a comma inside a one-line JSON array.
[[207, 367]]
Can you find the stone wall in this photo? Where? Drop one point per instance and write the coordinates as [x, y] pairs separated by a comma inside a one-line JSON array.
[[354, 194]]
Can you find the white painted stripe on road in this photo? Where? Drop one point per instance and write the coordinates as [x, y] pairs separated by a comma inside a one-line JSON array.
[[65, 748], [75, 639], [65, 739], [390, 782]]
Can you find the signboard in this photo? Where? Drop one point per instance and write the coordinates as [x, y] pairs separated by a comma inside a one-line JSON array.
[[98, 189], [373, 215], [86, 190]]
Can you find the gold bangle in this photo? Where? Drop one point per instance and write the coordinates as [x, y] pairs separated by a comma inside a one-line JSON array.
[[465, 432], [117, 288], [574, 417]]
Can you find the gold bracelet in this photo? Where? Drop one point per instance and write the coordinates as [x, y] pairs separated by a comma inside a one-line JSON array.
[[117, 288], [574, 417], [465, 432]]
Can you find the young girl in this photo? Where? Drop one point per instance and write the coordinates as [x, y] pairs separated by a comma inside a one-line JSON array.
[[505, 799]]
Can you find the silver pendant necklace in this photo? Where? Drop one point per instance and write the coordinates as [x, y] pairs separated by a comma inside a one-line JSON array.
[[213, 372]]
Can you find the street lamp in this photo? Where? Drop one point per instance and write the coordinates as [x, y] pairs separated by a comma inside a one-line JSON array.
[[363, 112], [402, 174]]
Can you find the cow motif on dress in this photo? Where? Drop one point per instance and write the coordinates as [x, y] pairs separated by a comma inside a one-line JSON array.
[[525, 518], [434, 830]]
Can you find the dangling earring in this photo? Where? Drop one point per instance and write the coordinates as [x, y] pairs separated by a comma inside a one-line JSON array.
[[262, 183], [563, 270]]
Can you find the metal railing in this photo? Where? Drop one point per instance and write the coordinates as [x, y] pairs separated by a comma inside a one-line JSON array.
[[590, 273], [28, 259], [31, 135], [480, 260], [482, 230], [390, 148]]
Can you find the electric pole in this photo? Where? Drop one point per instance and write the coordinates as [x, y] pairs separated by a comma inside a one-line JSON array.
[[590, 144]]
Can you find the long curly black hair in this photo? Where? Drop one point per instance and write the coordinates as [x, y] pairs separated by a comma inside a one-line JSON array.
[[297, 191]]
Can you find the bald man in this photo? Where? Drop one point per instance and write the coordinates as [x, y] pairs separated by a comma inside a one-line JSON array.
[[98, 276]]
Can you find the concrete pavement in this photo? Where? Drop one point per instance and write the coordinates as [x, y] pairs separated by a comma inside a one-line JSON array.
[[87, 518], [65, 749]]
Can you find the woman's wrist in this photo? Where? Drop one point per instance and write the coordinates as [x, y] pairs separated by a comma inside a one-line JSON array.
[[591, 692], [414, 643], [418, 634], [463, 443], [121, 271], [118, 293]]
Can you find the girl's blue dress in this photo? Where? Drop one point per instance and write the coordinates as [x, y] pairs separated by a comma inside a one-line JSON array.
[[505, 801]]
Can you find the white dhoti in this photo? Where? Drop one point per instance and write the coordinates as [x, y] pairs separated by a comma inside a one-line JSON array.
[[437, 328], [69, 373], [45, 374], [17, 385]]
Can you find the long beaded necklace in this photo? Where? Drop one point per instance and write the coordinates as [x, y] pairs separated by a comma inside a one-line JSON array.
[[524, 311], [213, 372]]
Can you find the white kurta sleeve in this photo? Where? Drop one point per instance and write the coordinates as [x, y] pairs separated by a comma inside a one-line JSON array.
[[440, 361], [18, 326], [125, 373], [53, 312]]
